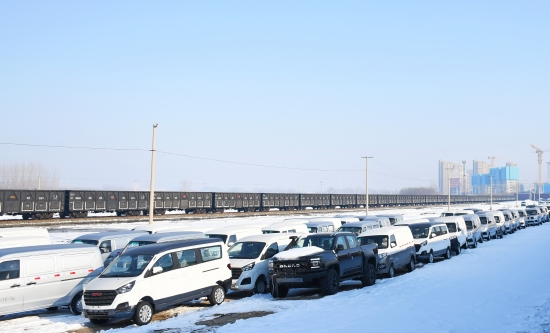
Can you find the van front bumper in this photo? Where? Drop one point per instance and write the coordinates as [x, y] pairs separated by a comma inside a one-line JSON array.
[[109, 313]]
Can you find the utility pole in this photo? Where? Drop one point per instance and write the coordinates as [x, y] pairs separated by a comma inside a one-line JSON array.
[[152, 190], [517, 190], [491, 191], [321, 187], [367, 184], [464, 189], [449, 193]]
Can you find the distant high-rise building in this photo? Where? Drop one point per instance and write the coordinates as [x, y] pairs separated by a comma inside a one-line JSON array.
[[453, 173], [548, 164], [480, 168]]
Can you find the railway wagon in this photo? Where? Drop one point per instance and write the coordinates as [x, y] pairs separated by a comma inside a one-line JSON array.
[[31, 203], [315, 201], [197, 202], [343, 200], [283, 201], [236, 201]]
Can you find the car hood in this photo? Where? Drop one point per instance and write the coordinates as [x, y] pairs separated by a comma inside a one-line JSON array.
[[238, 263], [419, 240], [108, 283]]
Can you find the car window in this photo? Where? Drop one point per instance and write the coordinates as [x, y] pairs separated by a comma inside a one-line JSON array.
[[186, 258], [341, 240], [451, 227], [351, 241], [105, 246], [392, 239], [9, 270], [436, 231], [211, 253], [443, 230], [165, 262], [232, 239], [272, 250]]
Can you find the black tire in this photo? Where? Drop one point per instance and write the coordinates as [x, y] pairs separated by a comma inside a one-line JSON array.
[[447, 254], [330, 283], [369, 278], [217, 295], [260, 287], [391, 272], [475, 243], [97, 321], [279, 291], [430, 258], [76, 304], [411, 265], [143, 313], [458, 249]]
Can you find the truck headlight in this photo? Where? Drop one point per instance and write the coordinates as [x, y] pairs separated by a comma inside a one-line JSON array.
[[315, 262], [382, 255], [125, 288], [248, 267], [270, 264]]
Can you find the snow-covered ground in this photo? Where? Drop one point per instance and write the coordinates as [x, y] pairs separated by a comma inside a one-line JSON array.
[[502, 286]]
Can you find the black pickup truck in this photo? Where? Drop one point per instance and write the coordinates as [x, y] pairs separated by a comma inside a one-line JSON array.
[[322, 260]]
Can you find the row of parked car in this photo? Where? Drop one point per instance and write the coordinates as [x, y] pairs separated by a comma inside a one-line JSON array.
[[132, 274]]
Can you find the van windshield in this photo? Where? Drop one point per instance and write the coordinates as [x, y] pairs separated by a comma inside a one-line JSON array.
[[127, 266], [352, 229], [447, 214], [246, 250], [483, 219], [469, 225], [136, 244], [382, 241], [312, 229], [271, 232], [324, 242], [532, 212], [420, 232], [521, 213], [222, 237], [451, 227], [84, 241]]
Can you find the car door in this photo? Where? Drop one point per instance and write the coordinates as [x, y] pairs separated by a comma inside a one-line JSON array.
[[11, 287], [187, 273], [41, 288], [356, 263], [344, 256], [444, 241], [164, 284], [210, 266], [395, 254]]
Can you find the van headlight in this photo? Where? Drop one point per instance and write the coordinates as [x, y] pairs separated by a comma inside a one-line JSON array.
[[248, 267], [270, 264], [315, 262], [424, 243], [382, 255], [125, 288]]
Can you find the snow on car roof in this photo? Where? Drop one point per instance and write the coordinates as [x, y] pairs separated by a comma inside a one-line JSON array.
[[298, 252]]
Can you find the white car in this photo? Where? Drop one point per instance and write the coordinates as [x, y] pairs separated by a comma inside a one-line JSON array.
[[431, 240], [458, 231], [249, 259]]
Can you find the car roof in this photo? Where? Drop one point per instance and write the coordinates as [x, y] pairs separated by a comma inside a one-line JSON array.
[[159, 236], [425, 224], [447, 219], [385, 231], [390, 215], [266, 237], [360, 223], [316, 223], [100, 235], [43, 249], [330, 234], [230, 230], [161, 247], [469, 216]]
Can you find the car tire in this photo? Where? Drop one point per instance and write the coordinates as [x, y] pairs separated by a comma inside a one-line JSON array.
[[430, 258], [447, 254], [97, 321], [282, 291], [475, 243], [76, 304], [330, 283], [260, 287], [369, 278], [143, 313], [411, 265], [217, 295], [391, 272], [458, 250]]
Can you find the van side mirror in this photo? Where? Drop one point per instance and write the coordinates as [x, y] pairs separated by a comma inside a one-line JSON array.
[[433, 235], [230, 244], [339, 248], [157, 270], [393, 244]]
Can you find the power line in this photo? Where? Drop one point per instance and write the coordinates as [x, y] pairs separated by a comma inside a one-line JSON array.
[[71, 147]]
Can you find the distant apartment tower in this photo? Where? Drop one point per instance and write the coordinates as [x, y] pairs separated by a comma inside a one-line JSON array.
[[453, 173], [480, 168]]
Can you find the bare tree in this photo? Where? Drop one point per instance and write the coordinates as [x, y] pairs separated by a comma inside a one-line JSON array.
[[28, 176]]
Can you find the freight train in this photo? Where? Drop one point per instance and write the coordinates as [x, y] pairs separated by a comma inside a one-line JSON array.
[[39, 204]]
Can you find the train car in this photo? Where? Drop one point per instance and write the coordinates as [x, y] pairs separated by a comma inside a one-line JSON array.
[[343, 200], [282, 201], [315, 201], [197, 202], [223, 201], [36, 204]]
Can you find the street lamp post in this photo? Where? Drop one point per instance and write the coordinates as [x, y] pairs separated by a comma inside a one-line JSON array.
[[152, 190], [367, 184]]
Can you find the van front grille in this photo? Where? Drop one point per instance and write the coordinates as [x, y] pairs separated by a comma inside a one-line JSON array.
[[236, 273], [97, 313], [99, 297], [417, 247]]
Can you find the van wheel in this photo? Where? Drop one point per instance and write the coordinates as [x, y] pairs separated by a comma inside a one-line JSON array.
[[411, 265], [458, 250], [391, 272], [475, 243], [369, 278], [431, 258], [330, 283], [447, 254], [143, 313], [261, 286], [76, 304], [217, 296], [97, 321]]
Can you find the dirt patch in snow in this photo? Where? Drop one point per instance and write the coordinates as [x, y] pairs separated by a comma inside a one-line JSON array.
[[230, 318]]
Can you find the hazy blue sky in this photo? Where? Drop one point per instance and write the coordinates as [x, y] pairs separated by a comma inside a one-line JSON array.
[[299, 84]]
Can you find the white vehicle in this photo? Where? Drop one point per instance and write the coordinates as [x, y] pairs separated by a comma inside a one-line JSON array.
[[149, 239], [343, 219], [473, 224], [522, 217], [286, 228], [412, 221], [107, 242], [315, 227], [46, 276], [230, 235], [395, 248], [337, 222], [156, 228], [19, 241], [383, 221], [458, 232], [394, 218], [488, 226], [359, 227], [155, 277], [431, 240], [500, 221], [533, 216], [457, 212], [249, 259], [509, 221], [24, 232]]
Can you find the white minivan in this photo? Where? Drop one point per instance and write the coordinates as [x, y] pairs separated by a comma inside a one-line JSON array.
[[46, 276], [395, 248], [230, 235], [109, 241], [249, 258], [458, 231], [151, 278], [19, 241], [23, 232], [283, 228], [431, 240]]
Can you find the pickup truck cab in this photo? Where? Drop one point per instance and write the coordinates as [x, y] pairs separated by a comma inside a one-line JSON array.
[[323, 261], [431, 240]]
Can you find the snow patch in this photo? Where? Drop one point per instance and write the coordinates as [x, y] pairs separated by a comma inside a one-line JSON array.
[[298, 252]]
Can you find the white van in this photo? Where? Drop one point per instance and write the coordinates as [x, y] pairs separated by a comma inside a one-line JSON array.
[[522, 217], [19, 241], [24, 232], [46, 276], [383, 221], [337, 222], [156, 228], [431, 240], [346, 219], [394, 218], [412, 221], [152, 278], [457, 212], [148, 239], [107, 242], [283, 228], [395, 248], [458, 231], [230, 235], [320, 226], [473, 224], [249, 259], [359, 227], [488, 225], [500, 221]]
